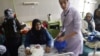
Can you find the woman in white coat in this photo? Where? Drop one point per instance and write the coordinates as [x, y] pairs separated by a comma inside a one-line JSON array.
[[71, 28]]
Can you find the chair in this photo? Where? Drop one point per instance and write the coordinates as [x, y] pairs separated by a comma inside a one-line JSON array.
[[53, 32], [54, 25]]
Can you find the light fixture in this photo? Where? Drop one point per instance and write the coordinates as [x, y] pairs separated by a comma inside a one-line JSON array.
[[30, 3], [91, 1]]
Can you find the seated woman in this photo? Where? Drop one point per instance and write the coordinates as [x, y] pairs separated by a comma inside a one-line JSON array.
[[84, 28], [38, 35], [89, 19], [88, 24]]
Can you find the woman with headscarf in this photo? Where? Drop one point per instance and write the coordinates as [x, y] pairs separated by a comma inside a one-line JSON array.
[[89, 19], [71, 29], [38, 35], [11, 30]]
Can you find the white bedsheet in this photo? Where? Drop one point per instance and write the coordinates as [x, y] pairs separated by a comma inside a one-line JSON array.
[[52, 53]]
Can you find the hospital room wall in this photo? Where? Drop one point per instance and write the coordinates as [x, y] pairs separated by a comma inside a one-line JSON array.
[[4, 4], [29, 12]]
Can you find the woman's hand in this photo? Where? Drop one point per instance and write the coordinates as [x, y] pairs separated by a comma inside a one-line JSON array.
[[28, 52], [47, 49]]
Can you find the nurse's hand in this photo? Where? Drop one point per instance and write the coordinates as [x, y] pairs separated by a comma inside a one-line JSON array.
[[58, 35], [61, 39]]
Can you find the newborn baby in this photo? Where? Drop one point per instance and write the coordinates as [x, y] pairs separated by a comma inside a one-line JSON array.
[[37, 50]]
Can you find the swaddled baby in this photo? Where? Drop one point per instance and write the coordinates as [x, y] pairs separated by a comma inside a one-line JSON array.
[[37, 50]]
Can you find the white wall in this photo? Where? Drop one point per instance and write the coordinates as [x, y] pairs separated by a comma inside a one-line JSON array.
[[4, 4], [90, 6], [26, 12]]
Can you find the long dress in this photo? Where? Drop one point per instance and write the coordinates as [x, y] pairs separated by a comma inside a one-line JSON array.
[[71, 21]]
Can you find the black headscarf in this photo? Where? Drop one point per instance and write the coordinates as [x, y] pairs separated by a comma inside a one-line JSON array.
[[9, 13], [6, 12], [34, 22], [33, 29], [38, 34]]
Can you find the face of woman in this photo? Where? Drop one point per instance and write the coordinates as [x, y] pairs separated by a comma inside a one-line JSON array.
[[10, 14], [38, 26], [88, 16], [63, 4]]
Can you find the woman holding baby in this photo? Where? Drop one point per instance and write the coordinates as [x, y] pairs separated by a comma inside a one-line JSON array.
[[38, 35]]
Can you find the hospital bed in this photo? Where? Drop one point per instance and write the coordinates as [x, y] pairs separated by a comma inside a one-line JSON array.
[[87, 51], [52, 53]]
